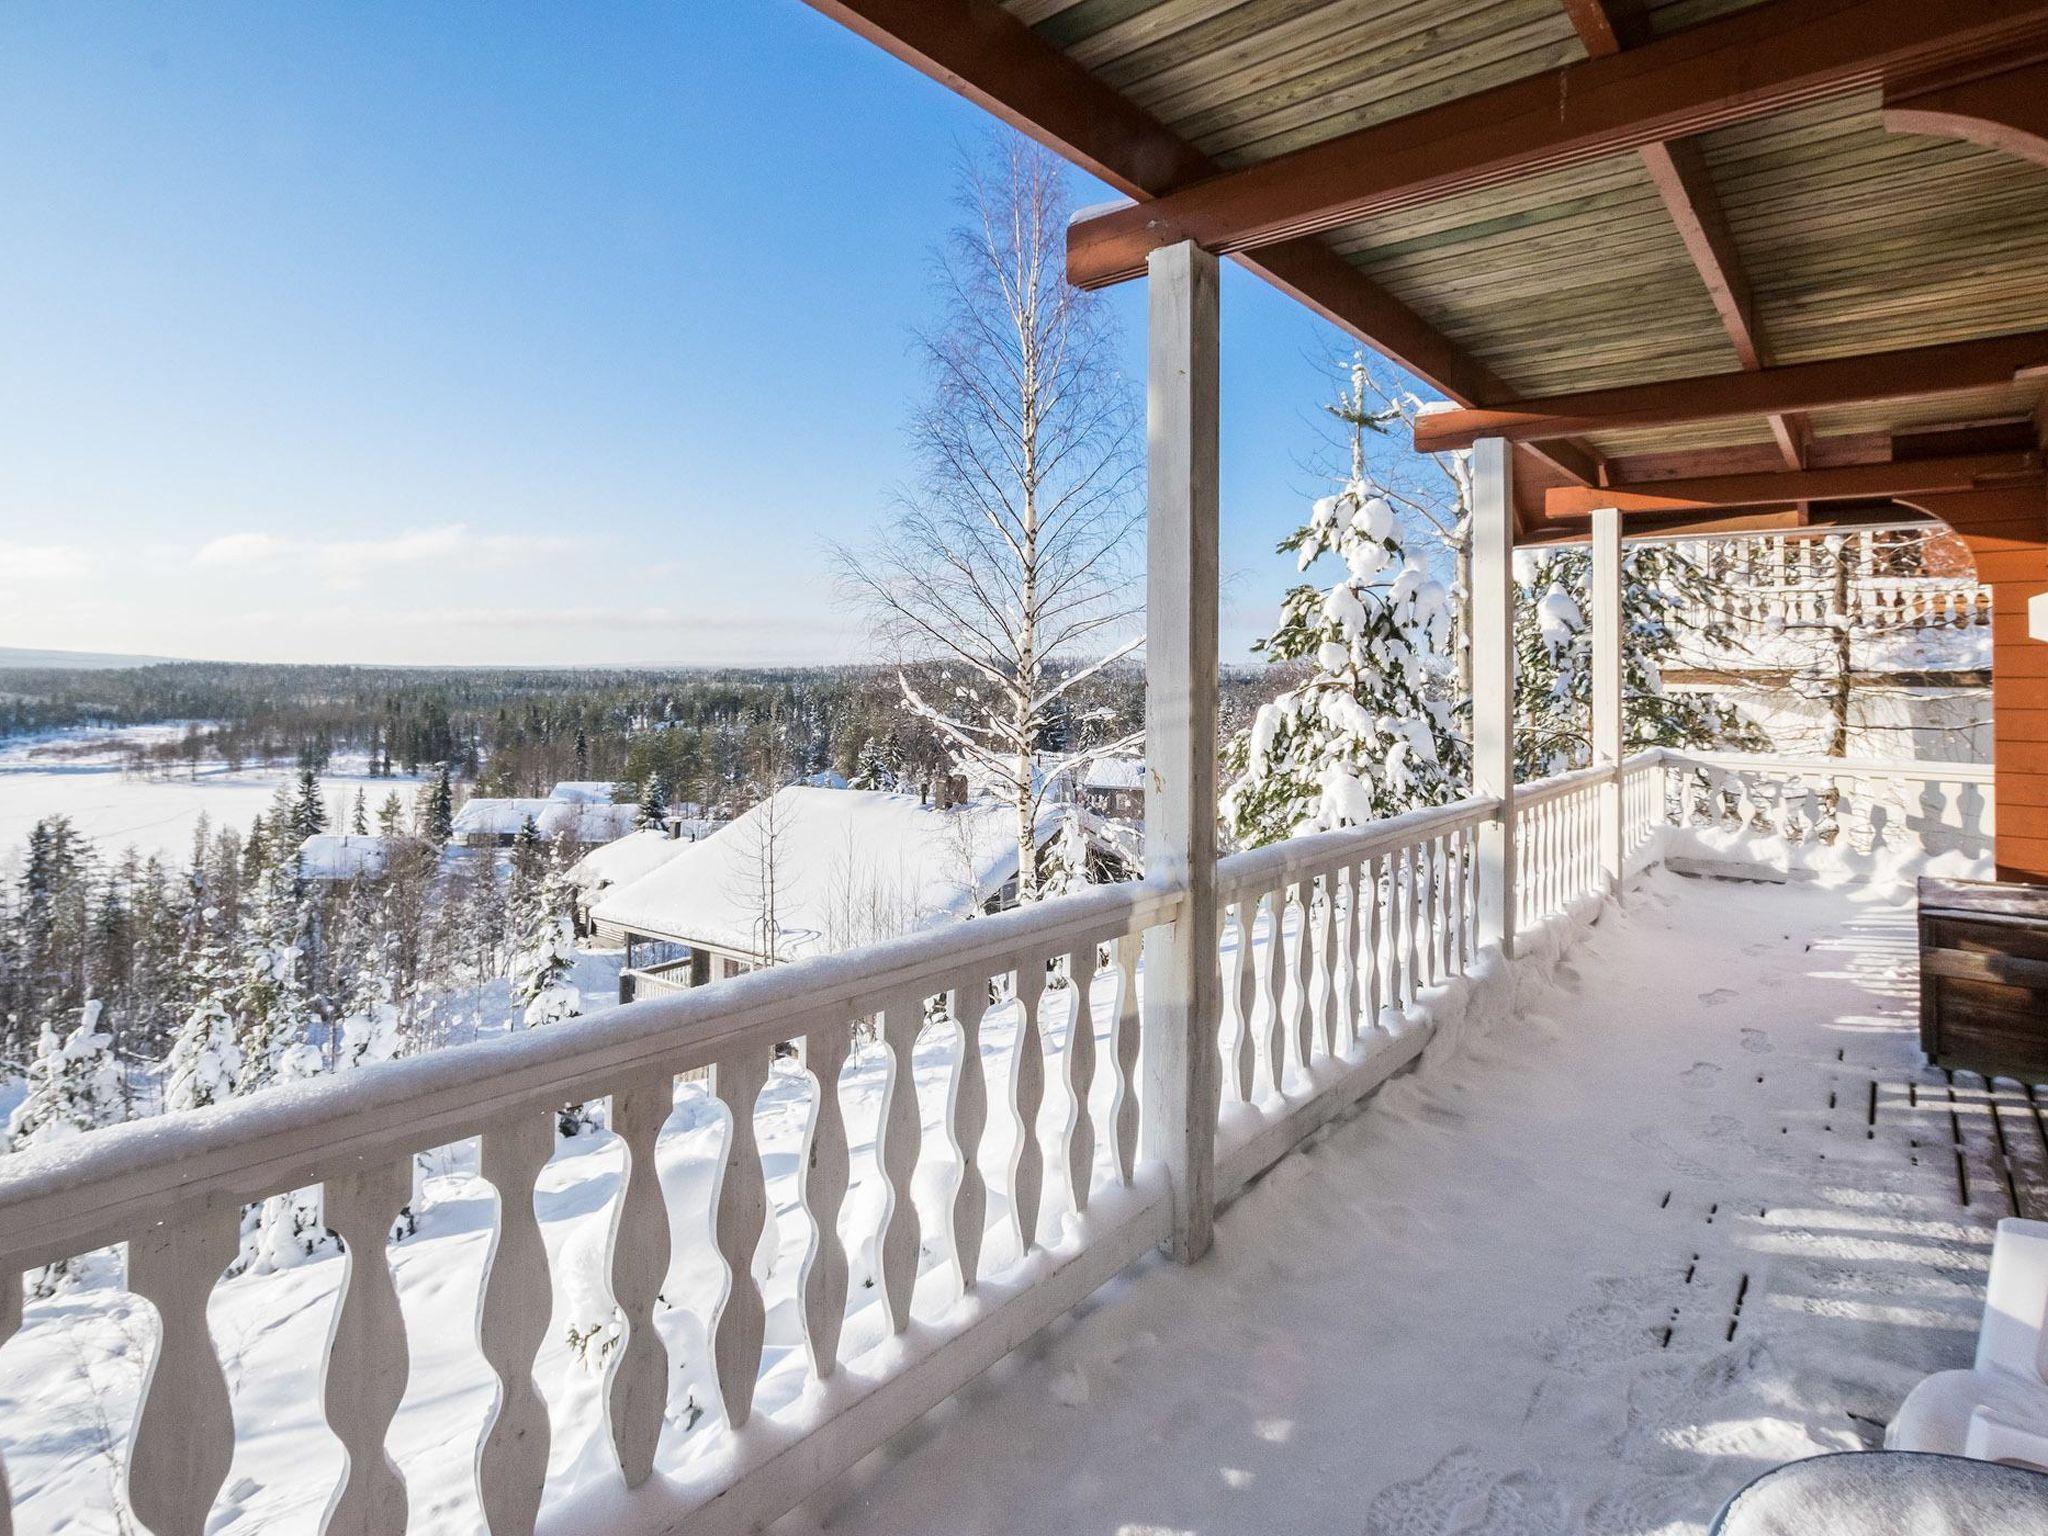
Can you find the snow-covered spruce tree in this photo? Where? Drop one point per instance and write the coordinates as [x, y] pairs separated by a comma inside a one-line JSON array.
[[205, 1063], [309, 813], [1064, 865], [437, 809], [543, 940], [652, 815], [875, 767], [1554, 660], [273, 1010], [75, 1084], [1370, 731]]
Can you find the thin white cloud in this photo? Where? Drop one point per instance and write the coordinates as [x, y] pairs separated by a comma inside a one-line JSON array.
[[345, 562], [34, 564]]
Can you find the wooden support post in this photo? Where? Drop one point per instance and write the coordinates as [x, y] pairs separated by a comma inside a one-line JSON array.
[[1182, 1071], [1607, 687], [1493, 684]]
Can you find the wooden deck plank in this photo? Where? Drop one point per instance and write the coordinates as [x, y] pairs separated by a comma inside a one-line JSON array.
[[1976, 1141], [2026, 1145]]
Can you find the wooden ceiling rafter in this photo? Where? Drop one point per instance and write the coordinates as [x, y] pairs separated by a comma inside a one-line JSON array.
[[982, 52], [1678, 170], [1754, 63], [1853, 482], [2006, 111], [1910, 373]]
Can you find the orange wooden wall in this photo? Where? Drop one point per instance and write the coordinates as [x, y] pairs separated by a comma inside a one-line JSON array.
[[2007, 533]]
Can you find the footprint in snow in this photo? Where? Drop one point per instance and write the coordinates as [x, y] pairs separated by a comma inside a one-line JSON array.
[[1434, 1504], [1701, 1074], [1458, 1497], [1756, 1042], [1618, 1325], [1717, 997], [1648, 1138]]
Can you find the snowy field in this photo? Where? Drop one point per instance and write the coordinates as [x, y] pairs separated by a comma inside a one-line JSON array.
[[1590, 1273], [82, 774]]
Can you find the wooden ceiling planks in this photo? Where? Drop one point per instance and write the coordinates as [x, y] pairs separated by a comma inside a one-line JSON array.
[[1257, 78], [1852, 239], [1860, 240], [1586, 252]]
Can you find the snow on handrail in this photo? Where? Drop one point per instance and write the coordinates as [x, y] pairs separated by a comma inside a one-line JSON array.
[[1917, 770], [1280, 863]]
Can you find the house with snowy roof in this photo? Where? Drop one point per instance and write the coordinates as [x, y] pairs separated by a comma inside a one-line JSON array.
[[812, 872], [615, 865], [1113, 787], [491, 822], [588, 791], [340, 856]]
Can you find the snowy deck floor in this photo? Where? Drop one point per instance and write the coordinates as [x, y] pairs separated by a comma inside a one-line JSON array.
[[1695, 1211]]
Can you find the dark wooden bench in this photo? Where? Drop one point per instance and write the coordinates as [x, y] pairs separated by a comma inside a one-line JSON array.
[[1984, 977]]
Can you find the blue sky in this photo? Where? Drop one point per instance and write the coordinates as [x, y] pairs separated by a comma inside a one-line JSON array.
[[506, 333]]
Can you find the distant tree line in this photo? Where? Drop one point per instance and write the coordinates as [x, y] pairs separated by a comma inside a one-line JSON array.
[[518, 732]]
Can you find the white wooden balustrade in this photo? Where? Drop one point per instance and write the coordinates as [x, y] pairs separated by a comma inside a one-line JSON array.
[[1325, 949], [1821, 810]]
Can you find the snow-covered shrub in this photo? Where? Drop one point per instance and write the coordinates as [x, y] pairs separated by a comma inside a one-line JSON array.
[[1370, 731], [75, 1083], [1554, 659]]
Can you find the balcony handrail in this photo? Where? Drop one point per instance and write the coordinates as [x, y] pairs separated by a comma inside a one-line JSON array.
[[68, 1199], [1915, 770], [1314, 852]]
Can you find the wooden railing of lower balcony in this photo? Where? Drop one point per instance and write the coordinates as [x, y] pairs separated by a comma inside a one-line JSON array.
[[1328, 949]]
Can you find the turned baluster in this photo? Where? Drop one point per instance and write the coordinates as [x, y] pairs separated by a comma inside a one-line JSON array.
[[966, 1119], [900, 1136], [1124, 1103], [1078, 1073], [512, 1324], [739, 1214], [1247, 996], [363, 1376], [184, 1437], [636, 1391]]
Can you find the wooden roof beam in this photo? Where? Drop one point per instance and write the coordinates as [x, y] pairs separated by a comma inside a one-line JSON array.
[[1760, 61], [2006, 111], [1912, 373], [984, 53], [1854, 482], [1678, 171], [1790, 522]]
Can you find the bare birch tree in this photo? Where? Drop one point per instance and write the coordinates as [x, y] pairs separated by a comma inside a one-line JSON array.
[[1008, 561]]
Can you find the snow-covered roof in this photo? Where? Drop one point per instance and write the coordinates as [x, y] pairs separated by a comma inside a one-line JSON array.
[[630, 858], [586, 791], [343, 855], [850, 867], [489, 817], [1114, 773]]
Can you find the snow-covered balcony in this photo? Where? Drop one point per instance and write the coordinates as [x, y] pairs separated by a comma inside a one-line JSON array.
[[1577, 1240]]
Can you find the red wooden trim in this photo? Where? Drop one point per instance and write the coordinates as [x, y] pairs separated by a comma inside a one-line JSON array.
[[1853, 482], [2007, 111], [1911, 373]]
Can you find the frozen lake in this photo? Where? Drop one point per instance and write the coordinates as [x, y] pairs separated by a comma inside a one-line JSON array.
[[83, 774]]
